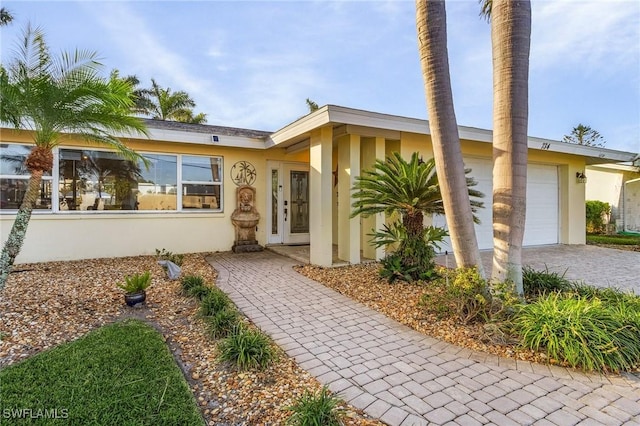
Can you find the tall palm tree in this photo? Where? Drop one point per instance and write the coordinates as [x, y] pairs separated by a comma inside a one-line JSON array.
[[411, 188], [163, 104], [54, 97], [510, 40], [432, 45]]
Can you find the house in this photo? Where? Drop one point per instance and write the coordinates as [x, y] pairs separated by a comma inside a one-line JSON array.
[[618, 185], [302, 173]]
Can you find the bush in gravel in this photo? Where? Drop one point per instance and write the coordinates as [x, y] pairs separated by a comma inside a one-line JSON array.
[[200, 292], [537, 283], [214, 301], [222, 323], [247, 348], [463, 293], [586, 333], [319, 409], [191, 281]]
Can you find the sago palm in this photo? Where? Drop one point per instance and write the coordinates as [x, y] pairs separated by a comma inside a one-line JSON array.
[[54, 98], [410, 188]]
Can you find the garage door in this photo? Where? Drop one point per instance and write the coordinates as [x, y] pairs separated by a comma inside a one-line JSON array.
[[542, 204]]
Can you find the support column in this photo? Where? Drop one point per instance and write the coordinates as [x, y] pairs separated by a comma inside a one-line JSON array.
[[348, 228], [372, 149], [320, 184]]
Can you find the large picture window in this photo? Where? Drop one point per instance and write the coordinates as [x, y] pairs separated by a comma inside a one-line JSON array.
[[94, 180], [14, 179], [99, 180]]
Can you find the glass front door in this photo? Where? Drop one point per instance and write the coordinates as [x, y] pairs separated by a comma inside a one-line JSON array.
[[295, 201]]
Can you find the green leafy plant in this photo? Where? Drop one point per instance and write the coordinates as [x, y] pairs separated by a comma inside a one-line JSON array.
[[537, 283], [216, 300], [199, 291], [469, 294], [191, 281], [247, 348], [222, 323], [316, 409], [136, 283], [164, 254], [597, 213], [584, 333], [413, 258]]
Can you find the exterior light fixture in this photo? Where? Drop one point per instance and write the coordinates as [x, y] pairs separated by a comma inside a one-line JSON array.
[[581, 177], [214, 138]]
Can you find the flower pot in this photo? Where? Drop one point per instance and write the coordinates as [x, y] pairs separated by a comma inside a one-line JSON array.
[[132, 299]]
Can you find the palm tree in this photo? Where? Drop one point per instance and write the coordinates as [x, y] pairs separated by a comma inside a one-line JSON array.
[[53, 97], [163, 104], [510, 40], [411, 189], [432, 44]]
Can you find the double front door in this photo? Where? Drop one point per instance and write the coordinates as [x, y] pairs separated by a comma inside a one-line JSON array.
[[288, 205]]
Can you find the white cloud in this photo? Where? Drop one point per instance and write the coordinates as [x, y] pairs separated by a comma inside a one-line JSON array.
[[593, 34]]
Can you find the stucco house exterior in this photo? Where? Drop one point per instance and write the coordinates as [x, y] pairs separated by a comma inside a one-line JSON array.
[[96, 204], [618, 185]]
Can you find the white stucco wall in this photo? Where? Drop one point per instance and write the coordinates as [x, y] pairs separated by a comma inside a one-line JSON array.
[[88, 236]]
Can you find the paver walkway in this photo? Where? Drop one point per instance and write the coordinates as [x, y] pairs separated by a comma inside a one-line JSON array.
[[403, 377]]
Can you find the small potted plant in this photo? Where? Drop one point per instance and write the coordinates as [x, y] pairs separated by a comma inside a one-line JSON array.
[[134, 288]]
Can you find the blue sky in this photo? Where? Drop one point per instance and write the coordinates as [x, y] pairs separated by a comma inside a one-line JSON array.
[[253, 64]]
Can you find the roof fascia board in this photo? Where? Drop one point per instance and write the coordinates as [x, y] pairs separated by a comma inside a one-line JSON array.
[[166, 135], [300, 127]]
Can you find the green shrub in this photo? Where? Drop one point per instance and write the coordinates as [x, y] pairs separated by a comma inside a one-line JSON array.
[[246, 348], [136, 283], [216, 300], [170, 256], [580, 332], [414, 257], [597, 212], [537, 283], [470, 296], [221, 323], [199, 292], [464, 294], [320, 409], [190, 281]]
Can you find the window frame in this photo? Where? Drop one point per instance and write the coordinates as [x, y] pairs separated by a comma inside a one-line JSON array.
[[54, 178]]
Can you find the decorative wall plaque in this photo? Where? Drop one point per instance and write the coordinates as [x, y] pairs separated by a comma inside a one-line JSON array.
[[243, 173]]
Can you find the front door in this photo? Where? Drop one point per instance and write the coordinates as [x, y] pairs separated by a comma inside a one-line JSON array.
[[288, 209]]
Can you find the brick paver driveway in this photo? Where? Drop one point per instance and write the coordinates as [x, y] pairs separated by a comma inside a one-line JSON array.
[[403, 377], [594, 265]]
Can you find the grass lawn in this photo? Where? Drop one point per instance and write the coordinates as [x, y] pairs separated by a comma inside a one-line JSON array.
[[122, 373], [614, 239]]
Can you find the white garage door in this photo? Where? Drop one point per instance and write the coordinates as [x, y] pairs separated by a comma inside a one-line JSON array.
[[542, 204]]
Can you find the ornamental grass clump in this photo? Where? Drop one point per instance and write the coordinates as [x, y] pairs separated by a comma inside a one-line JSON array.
[[191, 281], [316, 409], [581, 332], [222, 323], [247, 349], [538, 283], [215, 301]]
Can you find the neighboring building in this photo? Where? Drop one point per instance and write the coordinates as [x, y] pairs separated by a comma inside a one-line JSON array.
[[618, 185], [96, 204]]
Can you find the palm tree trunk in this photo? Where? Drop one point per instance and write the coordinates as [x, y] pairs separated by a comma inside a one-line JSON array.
[[432, 45], [19, 230], [510, 39]]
